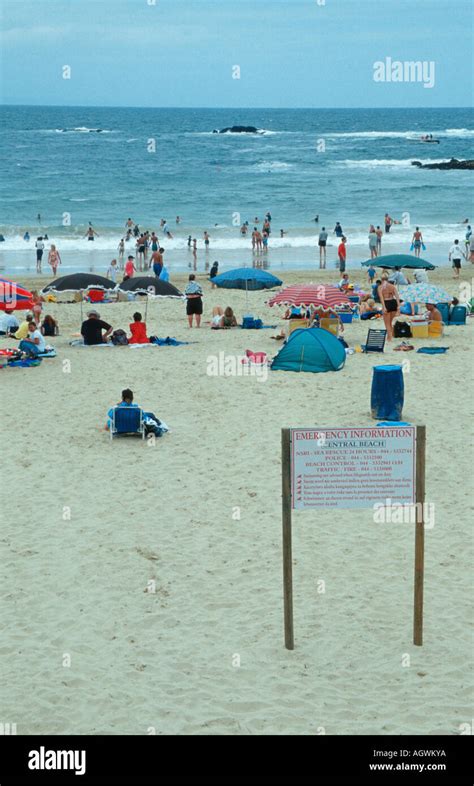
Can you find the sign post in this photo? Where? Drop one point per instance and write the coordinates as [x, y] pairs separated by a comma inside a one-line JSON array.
[[286, 520], [379, 467], [419, 536]]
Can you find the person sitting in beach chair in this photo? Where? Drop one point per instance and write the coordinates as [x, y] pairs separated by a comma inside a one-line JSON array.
[[34, 343], [8, 323], [223, 318], [140, 422], [433, 313], [138, 330]]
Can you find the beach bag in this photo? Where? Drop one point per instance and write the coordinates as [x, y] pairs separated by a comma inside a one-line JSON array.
[[250, 323], [119, 337], [402, 330]]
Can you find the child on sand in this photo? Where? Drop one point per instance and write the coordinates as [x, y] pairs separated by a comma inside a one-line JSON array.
[[138, 330]]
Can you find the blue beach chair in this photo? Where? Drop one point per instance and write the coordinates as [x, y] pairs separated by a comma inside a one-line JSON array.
[[127, 421], [375, 341], [443, 309], [458, 315]]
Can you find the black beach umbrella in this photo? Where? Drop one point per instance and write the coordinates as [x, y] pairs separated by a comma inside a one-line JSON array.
[[77, 282], [149, 285]]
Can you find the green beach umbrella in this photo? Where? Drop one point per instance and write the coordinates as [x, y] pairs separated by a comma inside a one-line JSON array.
[[399, 260]]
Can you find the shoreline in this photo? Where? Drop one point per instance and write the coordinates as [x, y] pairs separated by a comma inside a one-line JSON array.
[[16, 263]]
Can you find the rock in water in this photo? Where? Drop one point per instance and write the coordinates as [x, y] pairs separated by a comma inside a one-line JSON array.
[[237, 130], [453, 164]]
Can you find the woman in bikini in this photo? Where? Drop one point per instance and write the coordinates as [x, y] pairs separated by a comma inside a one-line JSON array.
[[390, 300], [54, 259]]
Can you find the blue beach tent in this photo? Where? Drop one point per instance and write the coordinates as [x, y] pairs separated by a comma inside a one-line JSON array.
[[310, 349]]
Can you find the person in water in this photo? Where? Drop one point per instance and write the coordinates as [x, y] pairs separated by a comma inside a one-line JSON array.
[[54, 258], [417, 241], [91, 233], [39, 246], [322, 240]]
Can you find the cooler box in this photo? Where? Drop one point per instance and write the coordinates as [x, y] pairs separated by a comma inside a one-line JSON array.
[[386, 401], [419, 328], [435, 329], [346, 317]]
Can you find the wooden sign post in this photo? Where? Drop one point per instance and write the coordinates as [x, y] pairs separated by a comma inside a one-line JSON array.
[[362, 467], [419, 536], [286, 520]]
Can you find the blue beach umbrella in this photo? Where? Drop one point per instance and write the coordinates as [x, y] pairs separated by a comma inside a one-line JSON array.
[[247, 278], [399, 260]]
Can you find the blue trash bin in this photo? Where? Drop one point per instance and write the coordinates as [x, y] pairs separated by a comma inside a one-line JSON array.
[[386, 402]]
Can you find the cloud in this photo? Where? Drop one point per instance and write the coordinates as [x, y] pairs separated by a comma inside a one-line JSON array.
[[20, 35]]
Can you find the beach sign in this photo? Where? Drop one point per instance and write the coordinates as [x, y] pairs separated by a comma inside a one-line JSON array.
[[380, 468]]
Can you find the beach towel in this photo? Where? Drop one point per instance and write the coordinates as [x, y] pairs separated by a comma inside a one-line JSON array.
[[257, 358], [25, 363], [257, 327], [168, 342], [433, 350]]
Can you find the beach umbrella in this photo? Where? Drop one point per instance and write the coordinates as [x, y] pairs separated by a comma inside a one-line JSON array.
[[310, 295], [76, 282], [149, 285], [424, 293], [13, 296], [399, 260], [248, 278]]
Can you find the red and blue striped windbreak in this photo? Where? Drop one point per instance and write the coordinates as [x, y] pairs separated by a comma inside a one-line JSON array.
[[14, 296]]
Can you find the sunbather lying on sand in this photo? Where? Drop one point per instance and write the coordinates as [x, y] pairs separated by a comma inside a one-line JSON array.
[[223, 318]]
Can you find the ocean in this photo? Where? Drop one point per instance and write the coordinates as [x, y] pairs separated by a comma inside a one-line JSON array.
[[345, 165]]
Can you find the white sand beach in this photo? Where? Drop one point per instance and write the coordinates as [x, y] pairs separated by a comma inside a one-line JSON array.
[[90, 524]]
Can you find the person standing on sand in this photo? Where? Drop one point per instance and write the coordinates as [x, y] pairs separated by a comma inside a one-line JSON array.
[[322, 240], [39, 245], [193, 294], [112, 271], [455, 256], [130, 268], [390, 300], [157, 261], [342, 253], [54, 259]]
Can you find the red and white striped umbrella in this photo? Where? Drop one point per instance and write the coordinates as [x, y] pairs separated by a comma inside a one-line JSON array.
[[309, 295]]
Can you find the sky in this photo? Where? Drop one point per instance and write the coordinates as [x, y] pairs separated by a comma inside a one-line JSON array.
[[184, 53]]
